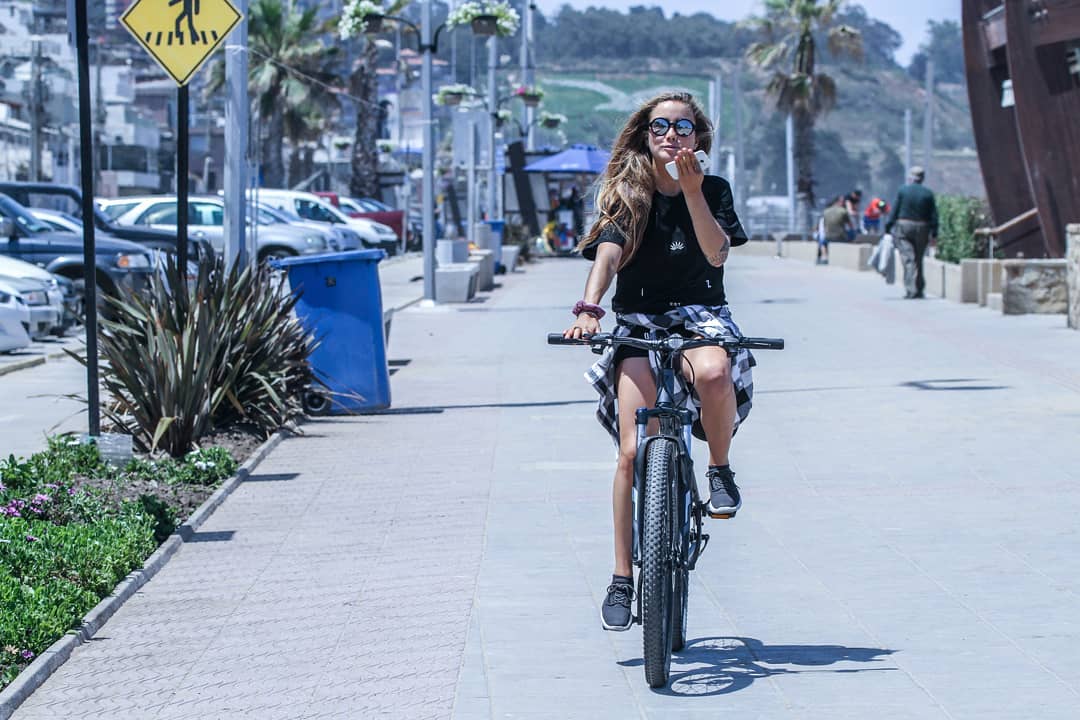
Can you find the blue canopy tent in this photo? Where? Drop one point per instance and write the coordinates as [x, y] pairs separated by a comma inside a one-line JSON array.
[[575, 159]]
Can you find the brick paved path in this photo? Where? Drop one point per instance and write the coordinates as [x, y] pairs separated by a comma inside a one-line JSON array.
[[907, 547]]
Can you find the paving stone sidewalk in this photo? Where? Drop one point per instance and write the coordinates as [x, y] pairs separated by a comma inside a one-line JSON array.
[[907, 547]]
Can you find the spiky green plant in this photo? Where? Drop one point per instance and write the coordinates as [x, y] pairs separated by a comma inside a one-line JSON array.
[[178, 365]]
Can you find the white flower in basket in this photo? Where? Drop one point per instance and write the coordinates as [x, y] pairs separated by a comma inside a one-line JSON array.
[[451, 95], [352, 21], [486, 18]]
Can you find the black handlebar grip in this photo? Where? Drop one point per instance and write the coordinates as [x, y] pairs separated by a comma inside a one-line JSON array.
[[763, 343], [558, 339]]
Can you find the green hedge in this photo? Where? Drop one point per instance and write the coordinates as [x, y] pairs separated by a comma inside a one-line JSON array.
[[958, 218]]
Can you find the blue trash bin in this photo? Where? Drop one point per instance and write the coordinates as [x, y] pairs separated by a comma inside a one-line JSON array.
[[341, 306], [497, 227]]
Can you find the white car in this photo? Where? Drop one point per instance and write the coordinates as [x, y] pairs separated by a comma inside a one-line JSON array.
[[206, 220], [14, 319], [312, 207], [42, 293]]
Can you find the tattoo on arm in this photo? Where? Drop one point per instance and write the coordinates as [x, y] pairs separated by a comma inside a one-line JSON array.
[[720, 256]]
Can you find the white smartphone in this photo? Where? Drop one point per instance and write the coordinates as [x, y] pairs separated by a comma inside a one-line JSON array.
[[702, 159]]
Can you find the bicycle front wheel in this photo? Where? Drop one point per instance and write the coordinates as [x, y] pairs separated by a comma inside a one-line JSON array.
[[657, 568]]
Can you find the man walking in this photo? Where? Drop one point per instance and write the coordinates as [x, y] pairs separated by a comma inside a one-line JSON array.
[[915, 216]]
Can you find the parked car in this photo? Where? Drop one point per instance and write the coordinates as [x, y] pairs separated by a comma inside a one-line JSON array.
[[14, 319], [368, 208], [338, 237], [311, 207], [68, 198], [120, 266], [206, 220], [59, 291]]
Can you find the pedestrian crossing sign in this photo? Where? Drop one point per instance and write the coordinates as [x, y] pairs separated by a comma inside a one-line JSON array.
[[180, 34]]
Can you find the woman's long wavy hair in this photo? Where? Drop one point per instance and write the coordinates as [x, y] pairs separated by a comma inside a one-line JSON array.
[[625, 190]]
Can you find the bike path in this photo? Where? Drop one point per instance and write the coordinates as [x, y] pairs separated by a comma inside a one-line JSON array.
[[906, 549]]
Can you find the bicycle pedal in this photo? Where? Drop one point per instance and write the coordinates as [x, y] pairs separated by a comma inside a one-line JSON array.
[[722, 516]]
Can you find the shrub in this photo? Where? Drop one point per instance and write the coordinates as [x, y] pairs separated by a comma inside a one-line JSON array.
[[71, 527], [179, 366], [958, 218]]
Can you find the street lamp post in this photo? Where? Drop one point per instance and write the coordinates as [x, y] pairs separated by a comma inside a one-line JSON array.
[[492, 100]]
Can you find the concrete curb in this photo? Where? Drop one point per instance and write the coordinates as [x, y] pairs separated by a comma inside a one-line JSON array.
[[31, 362], [37, 672]]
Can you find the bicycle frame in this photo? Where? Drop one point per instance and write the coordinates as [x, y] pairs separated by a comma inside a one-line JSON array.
[[675, 424]]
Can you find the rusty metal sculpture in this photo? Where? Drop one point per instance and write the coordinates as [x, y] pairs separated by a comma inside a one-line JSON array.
[[1022, 59]]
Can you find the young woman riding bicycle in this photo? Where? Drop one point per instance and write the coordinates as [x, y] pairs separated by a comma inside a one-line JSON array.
[[665, 242]]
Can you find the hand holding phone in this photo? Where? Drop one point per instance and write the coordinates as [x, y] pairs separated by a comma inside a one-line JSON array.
[[702, 158]]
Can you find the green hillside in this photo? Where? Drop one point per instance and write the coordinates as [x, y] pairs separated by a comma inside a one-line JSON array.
[[860, 143]]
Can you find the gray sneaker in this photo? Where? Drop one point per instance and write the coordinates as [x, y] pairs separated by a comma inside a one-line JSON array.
[[615, 613], [724, 500]]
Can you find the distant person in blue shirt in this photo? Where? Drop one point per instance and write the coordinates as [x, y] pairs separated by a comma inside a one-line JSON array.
[[914, 215]]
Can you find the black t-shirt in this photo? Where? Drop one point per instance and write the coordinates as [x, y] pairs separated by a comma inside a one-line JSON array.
[[669, 269]]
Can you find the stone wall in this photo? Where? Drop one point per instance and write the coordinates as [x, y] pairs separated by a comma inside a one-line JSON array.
[[1034, 286], [1072, 257]]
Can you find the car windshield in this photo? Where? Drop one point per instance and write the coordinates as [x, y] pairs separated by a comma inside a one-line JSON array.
[[278, 214], [373, 204], [21, 217]]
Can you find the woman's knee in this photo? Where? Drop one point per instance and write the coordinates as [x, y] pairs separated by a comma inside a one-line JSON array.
[[713, 377]]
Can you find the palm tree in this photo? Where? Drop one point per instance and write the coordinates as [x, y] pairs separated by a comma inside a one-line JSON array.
[[364, 88], [290, 78], [788, 32]]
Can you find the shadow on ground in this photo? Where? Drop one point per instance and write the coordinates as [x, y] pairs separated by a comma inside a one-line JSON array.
[[721, 665]]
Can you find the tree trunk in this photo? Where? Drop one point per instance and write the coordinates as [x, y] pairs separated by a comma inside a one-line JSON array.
[[273, 163], [363, 84], [804, 167]]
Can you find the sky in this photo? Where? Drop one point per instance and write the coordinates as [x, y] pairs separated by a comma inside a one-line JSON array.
[[907, 17]]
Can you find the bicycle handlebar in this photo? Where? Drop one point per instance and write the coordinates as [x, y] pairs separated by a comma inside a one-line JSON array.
[[729, 343]]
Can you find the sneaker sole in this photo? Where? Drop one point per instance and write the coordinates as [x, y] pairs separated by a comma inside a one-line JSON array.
[[616, 628], [725, 513]]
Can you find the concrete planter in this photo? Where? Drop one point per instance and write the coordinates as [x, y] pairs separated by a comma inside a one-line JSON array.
[[1034, 286], [934, 273]]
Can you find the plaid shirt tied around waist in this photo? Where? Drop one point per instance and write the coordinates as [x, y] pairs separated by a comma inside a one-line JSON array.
[[711, 322]]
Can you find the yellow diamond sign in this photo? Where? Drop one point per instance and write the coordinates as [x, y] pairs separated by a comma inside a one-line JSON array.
[[180, 34]]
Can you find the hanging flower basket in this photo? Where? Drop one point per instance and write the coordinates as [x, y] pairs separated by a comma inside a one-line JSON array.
[[529, 95], [453, 95], [502, 117], [485, 25], [358, 17], [486, 18], [551, 120]]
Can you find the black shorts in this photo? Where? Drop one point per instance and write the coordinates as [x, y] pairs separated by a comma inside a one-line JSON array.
[[636, 331]]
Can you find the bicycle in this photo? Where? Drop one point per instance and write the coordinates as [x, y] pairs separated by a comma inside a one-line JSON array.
[[666, 544]]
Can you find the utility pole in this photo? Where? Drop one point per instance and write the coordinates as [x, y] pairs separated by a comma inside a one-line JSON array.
[[716, 106], [37, 109], [928, 119], [528, 67], [428, 157], [907, 144], [739, 181], [789, 139], [492, 100], [239, 246]]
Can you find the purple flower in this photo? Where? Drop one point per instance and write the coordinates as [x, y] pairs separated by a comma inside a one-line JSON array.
[[52, 486], [31, 538], [39, 498], [27, 655]]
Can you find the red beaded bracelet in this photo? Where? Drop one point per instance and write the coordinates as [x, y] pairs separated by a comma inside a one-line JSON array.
[[583, 307]]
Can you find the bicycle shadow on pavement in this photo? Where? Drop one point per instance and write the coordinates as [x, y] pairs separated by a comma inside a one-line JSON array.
[[723, 665]]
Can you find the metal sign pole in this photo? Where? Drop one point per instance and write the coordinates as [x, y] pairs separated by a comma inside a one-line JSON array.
[[182, 143], [86, 161]]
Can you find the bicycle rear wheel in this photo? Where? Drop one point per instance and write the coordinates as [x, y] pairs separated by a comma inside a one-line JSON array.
[[680, 598], [658, 520]]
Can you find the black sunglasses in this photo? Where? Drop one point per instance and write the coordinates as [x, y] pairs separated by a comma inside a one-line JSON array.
[[660, 126]]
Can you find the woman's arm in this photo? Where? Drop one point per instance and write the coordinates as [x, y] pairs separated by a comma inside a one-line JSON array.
[[714, 242], [603, 271]]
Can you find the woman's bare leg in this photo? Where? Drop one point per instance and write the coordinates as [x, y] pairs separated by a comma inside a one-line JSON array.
[[710, 370], [635, 388]]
